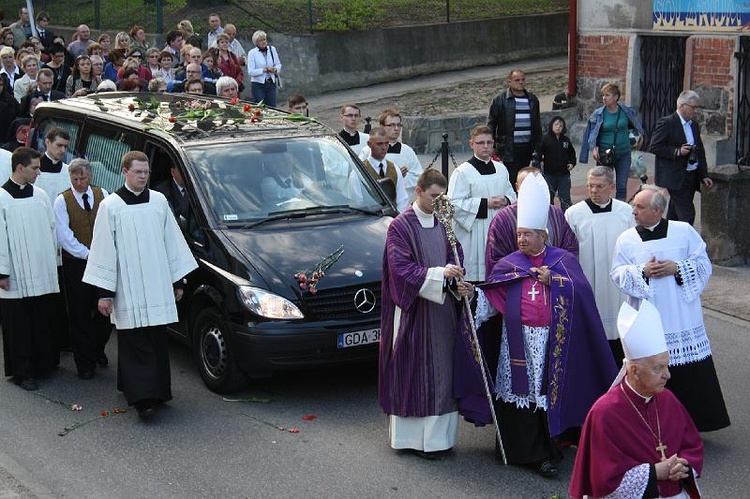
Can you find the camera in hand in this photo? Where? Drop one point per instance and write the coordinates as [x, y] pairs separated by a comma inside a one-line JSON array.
[[693, 156]]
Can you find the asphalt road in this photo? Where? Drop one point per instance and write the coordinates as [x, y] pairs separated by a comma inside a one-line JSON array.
[[199, 445]]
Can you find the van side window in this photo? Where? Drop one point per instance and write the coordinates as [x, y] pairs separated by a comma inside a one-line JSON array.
[[72, 127], [104, 149]]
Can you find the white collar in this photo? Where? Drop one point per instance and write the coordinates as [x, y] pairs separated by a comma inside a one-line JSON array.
[[645, 399], [21, 186], [131, 190], [605, 204], [374, 162], [489, 161], [426, 220], [683, 120], [652, 227]]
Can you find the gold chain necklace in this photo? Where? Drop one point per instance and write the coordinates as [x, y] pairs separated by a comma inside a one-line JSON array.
[[661, 447]]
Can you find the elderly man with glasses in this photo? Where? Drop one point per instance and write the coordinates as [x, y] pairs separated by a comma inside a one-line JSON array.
[[681, 165]]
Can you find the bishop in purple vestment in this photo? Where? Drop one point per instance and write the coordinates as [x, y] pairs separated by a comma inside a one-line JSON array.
[[419, 323], [554, 358]]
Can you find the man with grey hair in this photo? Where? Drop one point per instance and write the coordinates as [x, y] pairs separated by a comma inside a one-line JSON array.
[[75, 212], [597, 221], [681, 165], [665, 262], [226, 86]]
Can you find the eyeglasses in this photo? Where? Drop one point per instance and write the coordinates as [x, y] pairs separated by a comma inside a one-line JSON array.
[[393, 125], [153, 56], [691, 106], [350, 116], [137, 56]]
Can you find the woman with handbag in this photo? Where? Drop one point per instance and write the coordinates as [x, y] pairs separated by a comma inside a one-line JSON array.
[[607, 137], [263, 66]]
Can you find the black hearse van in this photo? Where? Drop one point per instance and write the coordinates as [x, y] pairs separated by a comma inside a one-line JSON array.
[[289, 276]]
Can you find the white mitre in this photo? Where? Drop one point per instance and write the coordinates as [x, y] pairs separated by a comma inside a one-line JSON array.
[[641, 331], [533, 202]]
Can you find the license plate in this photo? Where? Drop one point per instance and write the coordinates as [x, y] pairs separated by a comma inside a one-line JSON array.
[[356, 338]]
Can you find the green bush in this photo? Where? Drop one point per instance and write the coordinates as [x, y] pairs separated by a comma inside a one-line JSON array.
[[351, 15]]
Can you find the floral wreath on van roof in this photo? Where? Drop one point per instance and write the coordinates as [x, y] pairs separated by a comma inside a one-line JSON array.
[[204, 115]]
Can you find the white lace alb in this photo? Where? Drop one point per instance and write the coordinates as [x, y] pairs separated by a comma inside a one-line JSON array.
[[535, 344]]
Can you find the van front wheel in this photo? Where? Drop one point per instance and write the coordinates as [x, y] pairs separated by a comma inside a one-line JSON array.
[[213, 355]]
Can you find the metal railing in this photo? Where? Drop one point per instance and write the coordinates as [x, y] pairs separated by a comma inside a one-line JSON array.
[[285, 16]]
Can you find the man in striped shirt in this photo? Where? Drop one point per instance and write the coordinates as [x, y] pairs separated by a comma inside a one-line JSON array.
[[516, 124]]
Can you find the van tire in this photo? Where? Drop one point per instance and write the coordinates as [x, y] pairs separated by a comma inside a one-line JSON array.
[[212, 353]]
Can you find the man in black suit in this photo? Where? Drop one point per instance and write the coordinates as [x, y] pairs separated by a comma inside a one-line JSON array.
[[174, 190], [44, 82], [45, 36], [681, 165]]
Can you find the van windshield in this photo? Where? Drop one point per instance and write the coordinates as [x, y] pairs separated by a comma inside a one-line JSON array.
[[250, 181]]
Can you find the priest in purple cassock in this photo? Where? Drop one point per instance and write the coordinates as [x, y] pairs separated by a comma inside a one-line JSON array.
[[638, 439], [501, 238], [554, 357], [419, 324]]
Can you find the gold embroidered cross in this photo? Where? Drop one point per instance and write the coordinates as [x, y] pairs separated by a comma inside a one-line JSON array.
[[560, 280]]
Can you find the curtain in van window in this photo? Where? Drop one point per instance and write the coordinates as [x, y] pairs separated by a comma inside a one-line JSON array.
[[105, 155]]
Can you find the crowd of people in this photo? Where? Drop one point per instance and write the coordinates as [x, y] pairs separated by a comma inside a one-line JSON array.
[[560, 297], [188, 62]]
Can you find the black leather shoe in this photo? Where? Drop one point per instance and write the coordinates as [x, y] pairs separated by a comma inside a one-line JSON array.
[[430, 456], [103, 360], [145, 409], [29, 384], [547, 469], [86, 374]]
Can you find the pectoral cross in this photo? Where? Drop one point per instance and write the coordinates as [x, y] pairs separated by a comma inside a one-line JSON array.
[[560, 280], [533, 292], [661, 448]]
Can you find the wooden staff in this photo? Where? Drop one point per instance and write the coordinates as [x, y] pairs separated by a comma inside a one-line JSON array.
[[444, 211]]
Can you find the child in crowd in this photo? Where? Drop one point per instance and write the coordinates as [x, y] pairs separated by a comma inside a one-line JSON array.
[[557, 157]]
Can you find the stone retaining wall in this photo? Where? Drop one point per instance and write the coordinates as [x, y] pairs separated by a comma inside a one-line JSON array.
[[425, 133]]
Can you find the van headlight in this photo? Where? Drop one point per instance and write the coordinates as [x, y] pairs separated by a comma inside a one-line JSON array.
[[265, 304]]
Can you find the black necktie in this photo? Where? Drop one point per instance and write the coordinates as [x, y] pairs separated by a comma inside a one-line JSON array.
[[41, 33], [382, 172], [86, 205]]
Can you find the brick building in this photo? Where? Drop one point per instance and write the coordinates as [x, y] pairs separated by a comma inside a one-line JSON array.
[[654, 49]]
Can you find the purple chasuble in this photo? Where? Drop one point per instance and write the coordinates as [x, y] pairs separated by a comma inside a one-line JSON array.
[[415, 373], [579, 365]]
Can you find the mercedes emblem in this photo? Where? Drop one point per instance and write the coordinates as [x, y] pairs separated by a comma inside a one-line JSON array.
[[364, 301]]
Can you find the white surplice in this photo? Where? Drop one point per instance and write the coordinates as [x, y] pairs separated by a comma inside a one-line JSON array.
[[466, 189], [138, 252], [54, 183], [679, 306], [597, 234], [28, 248]]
